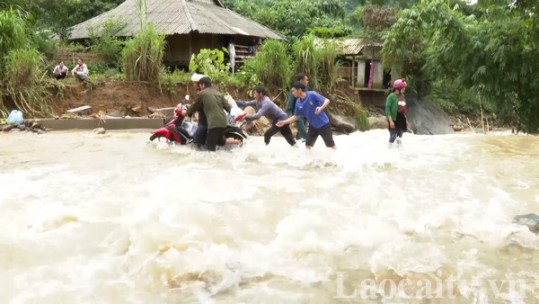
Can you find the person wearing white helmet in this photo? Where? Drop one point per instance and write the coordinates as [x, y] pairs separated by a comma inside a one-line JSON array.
[[396, 111], [196, 77]]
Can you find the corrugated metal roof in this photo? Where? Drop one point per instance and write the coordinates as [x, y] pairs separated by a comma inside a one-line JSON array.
[[178, 17], [350, 46]]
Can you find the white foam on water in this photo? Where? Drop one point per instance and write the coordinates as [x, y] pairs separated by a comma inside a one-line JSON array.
[[114, 219]]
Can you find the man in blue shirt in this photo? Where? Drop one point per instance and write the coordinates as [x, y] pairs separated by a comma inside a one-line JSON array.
[[291, 107], [311, 105], [271, 111]]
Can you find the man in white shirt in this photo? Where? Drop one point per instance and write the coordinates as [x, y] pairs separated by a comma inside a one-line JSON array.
[[60, 71], [80, 71]]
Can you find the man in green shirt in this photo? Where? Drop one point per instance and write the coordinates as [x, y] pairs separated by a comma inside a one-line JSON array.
[[213, 104]]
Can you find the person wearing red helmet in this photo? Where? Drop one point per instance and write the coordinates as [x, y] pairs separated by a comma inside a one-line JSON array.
[[396, 111]]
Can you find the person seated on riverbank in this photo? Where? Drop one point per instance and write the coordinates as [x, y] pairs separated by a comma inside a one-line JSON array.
[[60, 71], [80, 71]]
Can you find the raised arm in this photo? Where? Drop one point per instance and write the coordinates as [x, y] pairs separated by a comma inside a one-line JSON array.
[[324, 105], [244, 104], [261, 112]]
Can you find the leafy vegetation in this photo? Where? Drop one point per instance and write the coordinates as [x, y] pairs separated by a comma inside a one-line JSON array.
[[272, 64], [295, 18], [56, 16], [21, 66], [105, 42], [209, 62], [143, 55], [490, 58]]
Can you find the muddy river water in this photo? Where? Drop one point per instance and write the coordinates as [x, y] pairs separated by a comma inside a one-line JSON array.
[[88, 218]]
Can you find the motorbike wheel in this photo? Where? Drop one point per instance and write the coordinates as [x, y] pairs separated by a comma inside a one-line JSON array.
[[154, 136], [235, 133]]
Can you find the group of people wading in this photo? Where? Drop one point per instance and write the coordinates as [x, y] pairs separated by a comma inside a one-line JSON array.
[[305, 106]]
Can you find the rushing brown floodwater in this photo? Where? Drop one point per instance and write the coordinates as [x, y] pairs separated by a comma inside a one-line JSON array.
[[111, 219]]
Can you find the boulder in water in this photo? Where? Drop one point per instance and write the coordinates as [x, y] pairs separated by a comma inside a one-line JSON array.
[[427, 118], [342, 124], [378, 122], [531, 220], [258, 126], [100, 131], [7, 128]]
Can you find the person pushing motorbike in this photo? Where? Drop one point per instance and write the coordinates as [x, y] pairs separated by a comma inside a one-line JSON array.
[[213, 104]]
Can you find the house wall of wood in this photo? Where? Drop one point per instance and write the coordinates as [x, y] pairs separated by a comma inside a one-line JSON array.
[[180, 47], [355, 69]]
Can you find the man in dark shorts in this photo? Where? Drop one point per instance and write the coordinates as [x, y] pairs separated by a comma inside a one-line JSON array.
[[213, 104], [311, 105]]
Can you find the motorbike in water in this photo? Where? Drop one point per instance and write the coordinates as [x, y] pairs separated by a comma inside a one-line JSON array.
[[181, 131], [174, 134]]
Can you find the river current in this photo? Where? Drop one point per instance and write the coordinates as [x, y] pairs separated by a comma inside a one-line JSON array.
[[111, 218]]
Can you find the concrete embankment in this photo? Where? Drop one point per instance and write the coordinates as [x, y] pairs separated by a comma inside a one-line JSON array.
[[109, 124]]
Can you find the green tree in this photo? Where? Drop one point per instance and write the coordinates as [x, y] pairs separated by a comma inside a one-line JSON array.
[[494, 56], [374, 22], [105, 42], [21, 65], [58, 15], [294, 18]]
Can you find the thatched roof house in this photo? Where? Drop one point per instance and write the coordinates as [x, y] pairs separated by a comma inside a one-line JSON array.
[[189, 25]]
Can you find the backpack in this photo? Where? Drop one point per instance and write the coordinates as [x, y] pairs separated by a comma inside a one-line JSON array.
[[15, 118]]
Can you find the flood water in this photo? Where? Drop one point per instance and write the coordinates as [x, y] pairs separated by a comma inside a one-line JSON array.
[[88, 218]]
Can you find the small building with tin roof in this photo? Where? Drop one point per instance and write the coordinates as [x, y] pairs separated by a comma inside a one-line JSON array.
[[360, 60]]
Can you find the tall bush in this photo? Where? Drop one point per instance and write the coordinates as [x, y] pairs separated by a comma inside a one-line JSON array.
[[143, 54], [23, 81], [105, 42], [12, 34], [271, 63], [209, 62], [306, 58], [21, 67], [317, 58], [328, 66]]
